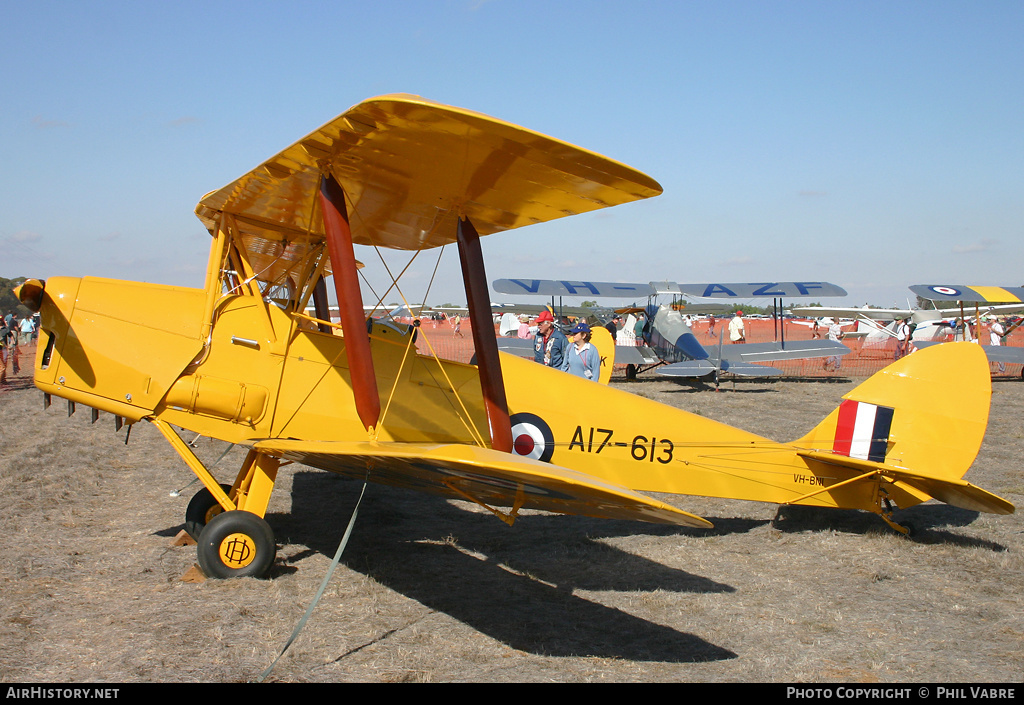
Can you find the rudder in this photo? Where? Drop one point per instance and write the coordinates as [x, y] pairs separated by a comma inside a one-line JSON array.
[[926, 413]]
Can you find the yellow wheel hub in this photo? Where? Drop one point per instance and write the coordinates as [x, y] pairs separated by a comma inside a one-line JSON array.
[[237, 550]]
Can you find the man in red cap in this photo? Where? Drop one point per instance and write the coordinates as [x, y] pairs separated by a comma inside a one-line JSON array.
[[550, 343], [737, 333]]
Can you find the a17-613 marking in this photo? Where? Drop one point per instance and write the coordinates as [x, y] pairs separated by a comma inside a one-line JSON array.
[[641, 448]]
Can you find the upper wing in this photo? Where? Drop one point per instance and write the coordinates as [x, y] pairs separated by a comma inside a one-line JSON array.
[[761, 290], [410, 169], [715, 290], [970, 294], [549, 287], [486, 476]]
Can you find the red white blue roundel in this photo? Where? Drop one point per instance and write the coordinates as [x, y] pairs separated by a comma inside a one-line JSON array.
[[531, 437], [945, 290]]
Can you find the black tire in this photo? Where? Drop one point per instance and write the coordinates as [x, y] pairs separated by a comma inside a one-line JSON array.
[[201, 508], [631, 372], [236, 544]]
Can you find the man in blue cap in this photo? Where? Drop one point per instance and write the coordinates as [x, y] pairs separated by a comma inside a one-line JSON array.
[[582, 358]]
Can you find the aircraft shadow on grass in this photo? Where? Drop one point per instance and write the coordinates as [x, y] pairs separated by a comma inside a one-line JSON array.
[[929, 522], [515, 585]]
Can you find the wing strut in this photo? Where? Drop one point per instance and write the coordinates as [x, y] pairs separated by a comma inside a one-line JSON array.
[[350, 300], [484, 340]]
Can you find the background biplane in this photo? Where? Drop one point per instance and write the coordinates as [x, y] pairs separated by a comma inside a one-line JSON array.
[[938, 325], [988, 301], [239, 360], [667, 343]]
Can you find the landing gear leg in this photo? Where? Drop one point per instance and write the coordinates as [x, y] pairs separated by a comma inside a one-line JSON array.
[[907, 529], [234, 541], [201, 509]]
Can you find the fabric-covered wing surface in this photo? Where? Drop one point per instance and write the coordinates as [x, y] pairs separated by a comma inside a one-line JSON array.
[[410, 168], [488, 476]]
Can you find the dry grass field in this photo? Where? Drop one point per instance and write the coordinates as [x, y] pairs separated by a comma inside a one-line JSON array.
[[438, 591]]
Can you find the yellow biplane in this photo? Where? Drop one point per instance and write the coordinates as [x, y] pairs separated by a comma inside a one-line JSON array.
[[240, 360]]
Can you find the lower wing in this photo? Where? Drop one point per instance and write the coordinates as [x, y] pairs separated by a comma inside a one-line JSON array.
[[482, 475], [995, 353], [790, 350]]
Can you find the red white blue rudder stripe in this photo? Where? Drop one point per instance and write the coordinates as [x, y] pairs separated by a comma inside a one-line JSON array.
[[863, 430]]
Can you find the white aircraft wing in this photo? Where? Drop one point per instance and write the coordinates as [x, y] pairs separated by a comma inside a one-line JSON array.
[[878, 314]]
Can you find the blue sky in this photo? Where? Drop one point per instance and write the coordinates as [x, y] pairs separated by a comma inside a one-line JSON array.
[[872, 144]]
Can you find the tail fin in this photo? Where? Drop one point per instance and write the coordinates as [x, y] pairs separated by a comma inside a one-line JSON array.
[[919, 422], [926, 412]]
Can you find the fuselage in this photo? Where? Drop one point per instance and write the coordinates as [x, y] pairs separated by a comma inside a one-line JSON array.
[[256, 371]]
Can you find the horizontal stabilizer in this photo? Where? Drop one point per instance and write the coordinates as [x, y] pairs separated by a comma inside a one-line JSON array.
[[958, 493], [486, 476]]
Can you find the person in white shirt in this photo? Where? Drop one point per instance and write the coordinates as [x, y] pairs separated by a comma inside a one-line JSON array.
[[737, 332], [835, 333], [996, 331], [902, 338]]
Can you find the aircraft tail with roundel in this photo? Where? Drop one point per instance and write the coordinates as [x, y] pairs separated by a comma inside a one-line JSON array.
[[914, 429]]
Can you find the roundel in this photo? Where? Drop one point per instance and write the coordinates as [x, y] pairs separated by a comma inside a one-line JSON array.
[[531, 437], [946, 290]]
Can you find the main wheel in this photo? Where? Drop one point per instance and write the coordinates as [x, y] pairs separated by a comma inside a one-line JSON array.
[[201, 508], [236, 544]]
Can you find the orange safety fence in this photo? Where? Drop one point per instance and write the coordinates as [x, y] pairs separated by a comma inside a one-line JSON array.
[[863, 360]]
